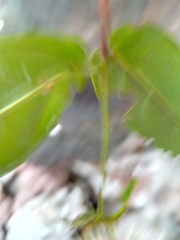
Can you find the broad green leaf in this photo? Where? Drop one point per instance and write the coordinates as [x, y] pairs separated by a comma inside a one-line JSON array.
[[99, 67], [36, 74], [151, 63]]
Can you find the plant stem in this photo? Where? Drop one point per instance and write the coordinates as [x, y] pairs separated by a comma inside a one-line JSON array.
[[105, 26], [104, 138]]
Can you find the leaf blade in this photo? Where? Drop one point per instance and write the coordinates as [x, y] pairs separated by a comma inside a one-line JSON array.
[[31, 103], [152, 60]]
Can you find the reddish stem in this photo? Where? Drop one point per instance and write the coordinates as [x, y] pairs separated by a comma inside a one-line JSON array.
[[105, 26]]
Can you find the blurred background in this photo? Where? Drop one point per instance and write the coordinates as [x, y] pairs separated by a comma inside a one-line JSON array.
[[154, 208], [81, 17]]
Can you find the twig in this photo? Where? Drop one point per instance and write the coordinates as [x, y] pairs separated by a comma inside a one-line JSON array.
[[105, 26]]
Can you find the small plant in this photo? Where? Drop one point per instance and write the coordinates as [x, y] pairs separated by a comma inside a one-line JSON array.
[[38, 72]]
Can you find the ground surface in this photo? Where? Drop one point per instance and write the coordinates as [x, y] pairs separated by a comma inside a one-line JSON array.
[[40, 204]]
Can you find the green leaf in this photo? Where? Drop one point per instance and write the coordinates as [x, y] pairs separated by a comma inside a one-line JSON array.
[[151, 60], [36, 74], [98, 67], [85, 219], [128, 190]]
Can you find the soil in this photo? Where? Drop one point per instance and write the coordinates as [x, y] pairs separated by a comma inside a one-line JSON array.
[[80, 137]]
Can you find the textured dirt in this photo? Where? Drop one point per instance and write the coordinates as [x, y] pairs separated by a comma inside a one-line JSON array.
[[80, 136]]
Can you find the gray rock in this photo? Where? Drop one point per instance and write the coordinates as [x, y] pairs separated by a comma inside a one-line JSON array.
[[1, 235]]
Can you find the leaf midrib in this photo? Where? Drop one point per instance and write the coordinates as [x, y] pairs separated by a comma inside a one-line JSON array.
[[37, 90], [153, 92]]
